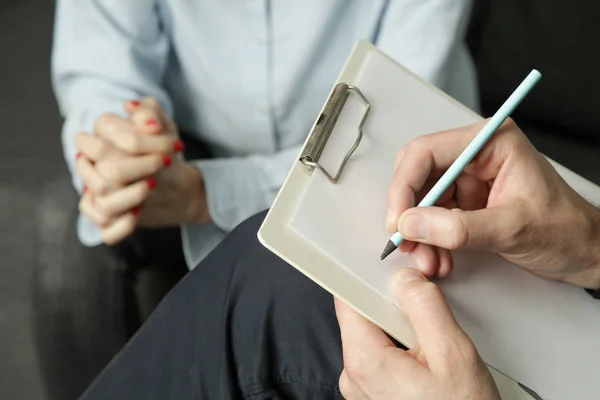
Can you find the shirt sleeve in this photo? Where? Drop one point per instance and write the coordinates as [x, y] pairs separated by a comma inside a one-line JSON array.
[[428, 37], [105, 52], [237, 188]]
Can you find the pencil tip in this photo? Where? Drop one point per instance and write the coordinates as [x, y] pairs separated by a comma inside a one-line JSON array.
[[389, 249]]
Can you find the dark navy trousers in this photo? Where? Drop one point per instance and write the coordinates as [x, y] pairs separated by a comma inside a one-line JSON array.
[[242, 325]]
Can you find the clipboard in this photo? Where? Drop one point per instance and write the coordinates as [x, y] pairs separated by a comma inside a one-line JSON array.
[[279, 236]]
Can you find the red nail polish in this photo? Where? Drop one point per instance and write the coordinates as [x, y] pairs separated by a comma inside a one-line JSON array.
[[151, 183], [134, 103], [167, 160], [152, 122], [78, 156], [136, 211], [85, 189], [178, 146]]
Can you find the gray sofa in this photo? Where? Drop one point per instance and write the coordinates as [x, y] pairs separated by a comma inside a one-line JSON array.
[[507, 38]]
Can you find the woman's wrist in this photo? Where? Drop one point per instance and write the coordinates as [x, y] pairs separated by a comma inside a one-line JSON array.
[[197, 207]]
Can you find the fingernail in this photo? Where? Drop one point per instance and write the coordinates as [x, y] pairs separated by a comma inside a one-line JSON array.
[[151, 183], [178, 146], [391, 220], [406, 275], [136, 211], [134, 103], [85, 189], [152, 122], [78, 156], [415, 227], [167, 160]]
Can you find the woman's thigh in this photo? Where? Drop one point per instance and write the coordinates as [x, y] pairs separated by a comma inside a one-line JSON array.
[[242, 324]]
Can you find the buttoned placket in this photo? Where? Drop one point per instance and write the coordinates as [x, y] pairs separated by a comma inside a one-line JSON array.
[[260, 72]]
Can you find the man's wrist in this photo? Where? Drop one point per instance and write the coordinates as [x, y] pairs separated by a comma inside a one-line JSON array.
[[197, 208], [588, 245], [595, 245]]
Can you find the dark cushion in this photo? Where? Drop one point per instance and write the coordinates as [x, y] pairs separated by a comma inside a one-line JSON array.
[[560, 38]]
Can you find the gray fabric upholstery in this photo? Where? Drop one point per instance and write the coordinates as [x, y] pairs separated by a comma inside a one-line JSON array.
[[558, 37]]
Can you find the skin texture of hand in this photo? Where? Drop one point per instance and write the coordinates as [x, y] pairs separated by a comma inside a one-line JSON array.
[[179, 196], [509, 200], [444, 365], [134, 174]]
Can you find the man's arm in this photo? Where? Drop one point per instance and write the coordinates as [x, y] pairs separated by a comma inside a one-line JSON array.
[[105, 52]]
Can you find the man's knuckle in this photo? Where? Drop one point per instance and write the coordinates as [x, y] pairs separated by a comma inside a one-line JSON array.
[[430, 290], [421, 293], [355, 368], [416, 146], [362, 365], [460, 237], [510, 123], [420, 150], [399, 156]]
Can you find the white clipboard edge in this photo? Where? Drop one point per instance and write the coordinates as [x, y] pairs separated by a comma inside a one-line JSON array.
[[278, 237]]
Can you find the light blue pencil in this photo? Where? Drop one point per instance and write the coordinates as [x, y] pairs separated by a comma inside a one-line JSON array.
[[471, 151]]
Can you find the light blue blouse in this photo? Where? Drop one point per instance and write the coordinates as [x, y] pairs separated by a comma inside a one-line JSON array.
[[247, 76]]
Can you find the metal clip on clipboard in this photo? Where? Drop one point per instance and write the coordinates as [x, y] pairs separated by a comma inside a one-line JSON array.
[[324, 126]]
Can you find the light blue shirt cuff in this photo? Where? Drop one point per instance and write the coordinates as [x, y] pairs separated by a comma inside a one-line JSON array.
[[236, 189], [89, 234], [239, 187], [199, 240]]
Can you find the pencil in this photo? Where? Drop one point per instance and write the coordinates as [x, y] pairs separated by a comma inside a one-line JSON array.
[[470, 151]]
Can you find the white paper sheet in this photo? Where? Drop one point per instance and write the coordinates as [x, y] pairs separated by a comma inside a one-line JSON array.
[[543, 334]]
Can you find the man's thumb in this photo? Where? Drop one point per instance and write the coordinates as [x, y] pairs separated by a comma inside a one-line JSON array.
[[427, 309], [486, 229]]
